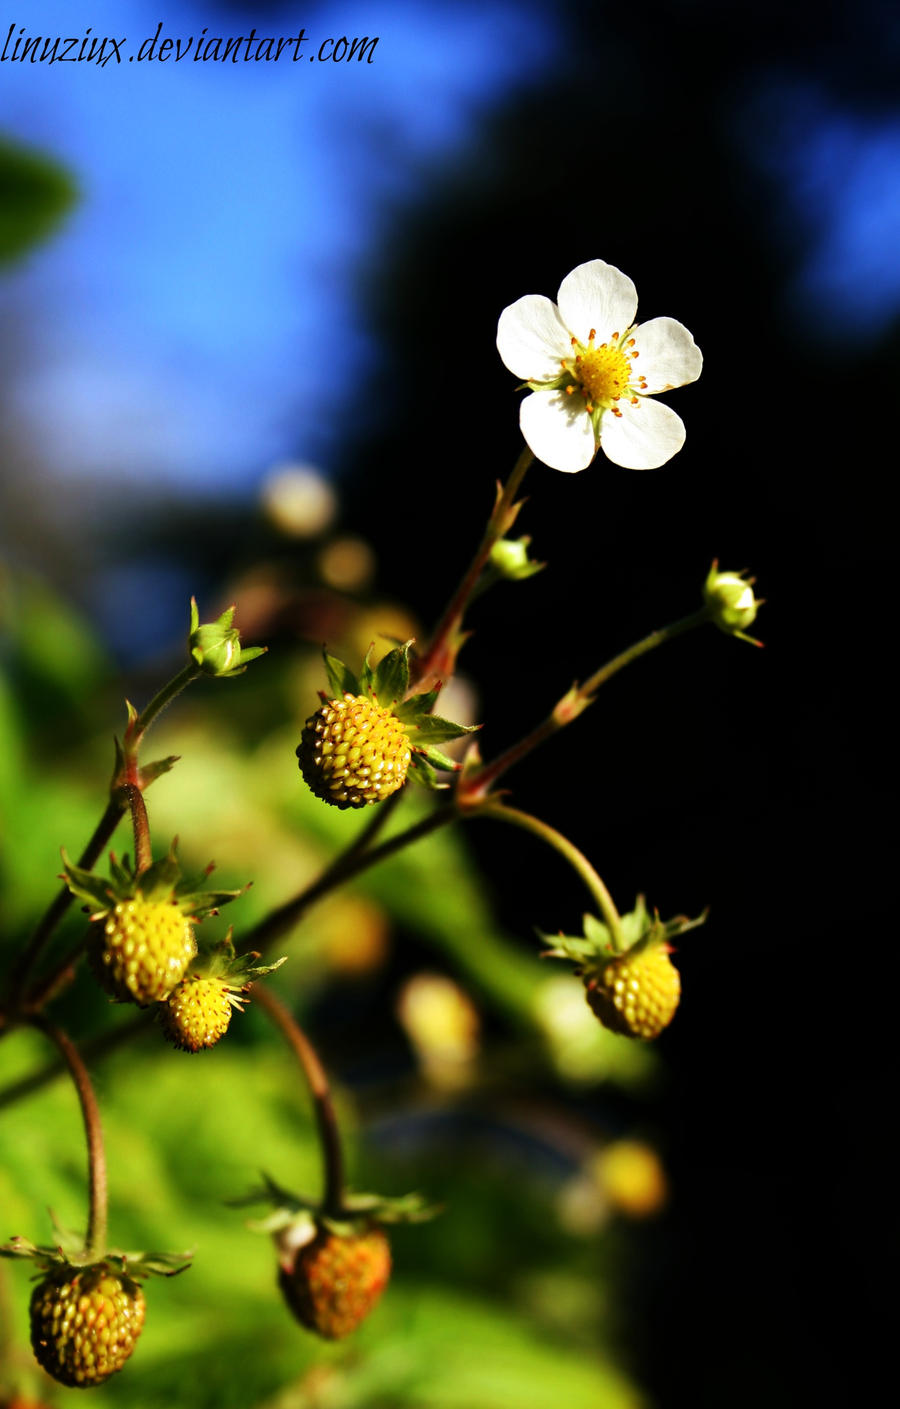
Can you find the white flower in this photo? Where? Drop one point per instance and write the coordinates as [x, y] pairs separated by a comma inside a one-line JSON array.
[[592, 370]]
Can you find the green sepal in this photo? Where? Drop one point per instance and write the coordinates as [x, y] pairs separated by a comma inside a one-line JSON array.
[[408, 711], [391, 680], [151, 771], [435, 730], [216, 647], [69, 1251], [294, 1211], [161, 882], [341, 680], [367, 677], [421, 772], [640, 930], [437, 759], [236, 971]]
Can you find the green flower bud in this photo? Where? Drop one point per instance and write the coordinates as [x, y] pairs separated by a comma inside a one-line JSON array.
[[731, 603], [510, 560], [216, 647]]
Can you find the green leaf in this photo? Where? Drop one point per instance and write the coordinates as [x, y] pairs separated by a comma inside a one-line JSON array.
[[408, 711], [438, 759], [421, 772], [436, 730], [367, 677], [35, 194], [392, 675], [341, 680]]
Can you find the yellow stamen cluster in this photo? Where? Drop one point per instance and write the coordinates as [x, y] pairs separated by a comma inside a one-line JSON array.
[[604, 374], [353, 752]]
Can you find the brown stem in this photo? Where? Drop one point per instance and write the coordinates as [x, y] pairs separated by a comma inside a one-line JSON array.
[[143, 852], [349, 864], [326, 1120], [95, 1240], [439, 658], [98, 1047], [475, 788]]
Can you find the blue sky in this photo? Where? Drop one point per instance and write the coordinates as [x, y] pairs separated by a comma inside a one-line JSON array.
[[200, 305]]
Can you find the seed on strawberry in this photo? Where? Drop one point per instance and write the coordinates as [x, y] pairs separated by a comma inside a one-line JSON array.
[[353, 752], [635, 993], [196, 1013], [84, 1324], [337, 1280], [142, 950]]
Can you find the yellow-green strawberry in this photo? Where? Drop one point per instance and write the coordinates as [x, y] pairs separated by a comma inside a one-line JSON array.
[[142, 938], [367, 737], [85, 1324], [336, 1280], [635, 994], [143, 950], [196, 1013], [353, 751], [630, 980]]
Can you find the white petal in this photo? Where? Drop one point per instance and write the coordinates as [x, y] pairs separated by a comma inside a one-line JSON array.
[[558, 430], [531, 338], [598, 296], [643, 437], [669, 357]]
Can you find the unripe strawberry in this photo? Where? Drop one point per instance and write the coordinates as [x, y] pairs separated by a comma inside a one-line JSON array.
[[142, 950], [337, 1280], [353, 752], [635, 993], [84, 1324], [196, 1013]]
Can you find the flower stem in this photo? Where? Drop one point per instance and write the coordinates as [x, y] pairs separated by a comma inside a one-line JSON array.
[[329, 1134], [350, 863], [475, 788], [112, 816], [143, 852], [439, 659], [136, 731], [576, 859], [95, 1240]]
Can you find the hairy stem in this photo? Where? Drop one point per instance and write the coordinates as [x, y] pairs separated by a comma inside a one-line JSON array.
[[143, 851], [440, 656], [95, 1240], [317, 1080]]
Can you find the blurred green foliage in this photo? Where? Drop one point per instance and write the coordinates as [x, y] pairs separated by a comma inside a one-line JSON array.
[[35, 194], [495, 1304]]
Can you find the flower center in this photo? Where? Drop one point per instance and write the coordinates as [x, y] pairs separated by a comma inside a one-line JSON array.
[[603, 372]]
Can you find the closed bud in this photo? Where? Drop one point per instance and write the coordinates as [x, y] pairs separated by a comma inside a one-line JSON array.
[[510, 560], [731, 603], [216, 647]]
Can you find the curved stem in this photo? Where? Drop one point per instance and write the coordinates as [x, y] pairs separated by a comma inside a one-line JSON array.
[[475, 788], [95, 1240], [439, 659], [317, 1080], [160, 700], [576, 859]]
